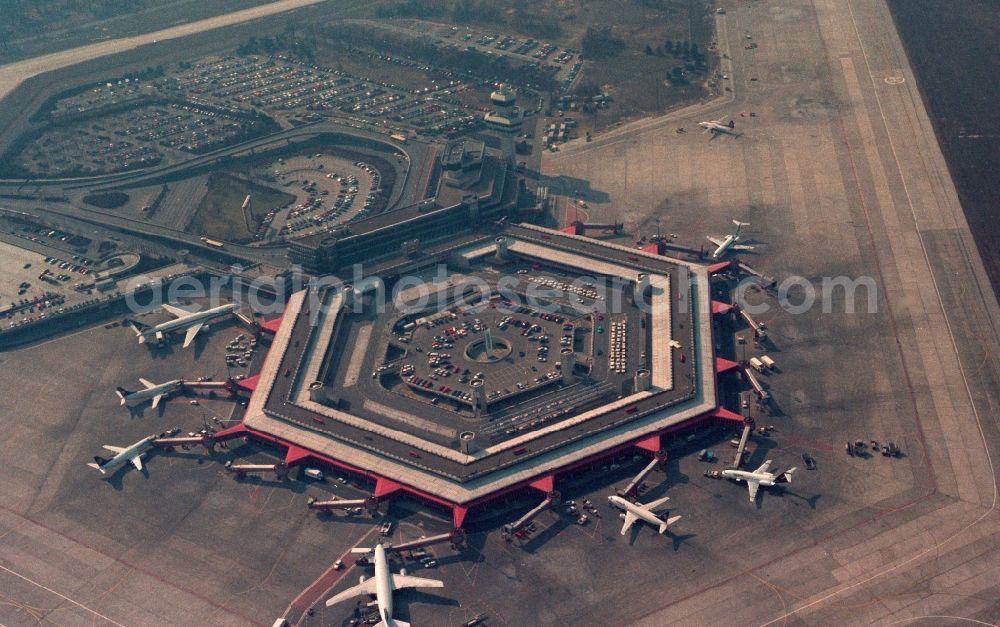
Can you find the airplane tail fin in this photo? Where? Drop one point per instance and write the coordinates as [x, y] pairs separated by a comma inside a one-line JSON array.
[[122, 393], [98, 462], [786, 477], [137, 327], [666, 523]]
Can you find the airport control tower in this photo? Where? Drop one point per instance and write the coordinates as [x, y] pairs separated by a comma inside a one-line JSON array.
[[505, 119]]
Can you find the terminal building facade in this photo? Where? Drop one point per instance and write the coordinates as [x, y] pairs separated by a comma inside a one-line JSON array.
[[391, 378], [477, 189]]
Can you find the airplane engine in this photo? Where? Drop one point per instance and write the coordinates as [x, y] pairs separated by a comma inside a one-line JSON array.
[[361, 579], [160, 337], [402, 571]]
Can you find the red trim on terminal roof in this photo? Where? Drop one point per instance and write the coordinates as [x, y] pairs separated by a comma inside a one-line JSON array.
[[386, 487], [571, 229], [724, 414], [250, 383], [651, 444], [544, 484], [653, 249], [716, 268], [295, 454], [271, 326], [721, 308], [724, 365], [232, 432]]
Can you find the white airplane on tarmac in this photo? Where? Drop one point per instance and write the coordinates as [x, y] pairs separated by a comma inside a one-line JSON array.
[[382, 586], [154, 391], [189, 321], [716, 127], [123, 456], [637, 511], [728, 243], [759, 477]]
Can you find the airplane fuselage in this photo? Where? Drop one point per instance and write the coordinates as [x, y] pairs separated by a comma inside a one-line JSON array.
[[144, 395], [715, 127], [122, 458], [724, 247], [765, 479], [184, 322], [640, 512], [383, 585]]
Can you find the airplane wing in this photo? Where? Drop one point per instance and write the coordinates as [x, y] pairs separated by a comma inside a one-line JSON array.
[[156, 400], [176, 311], [741, 247], [630, 519], [147, 383], [653, 505], [407, 581], [763, 467], [114, 449], [191, 332], [752, 487], [137, 462], [715, 240], [365, 587]]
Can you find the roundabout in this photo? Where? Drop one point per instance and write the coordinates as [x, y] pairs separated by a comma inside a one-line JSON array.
[[488, 350]]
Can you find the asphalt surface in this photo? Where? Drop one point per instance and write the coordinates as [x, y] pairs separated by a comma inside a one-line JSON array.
[[839, 174]]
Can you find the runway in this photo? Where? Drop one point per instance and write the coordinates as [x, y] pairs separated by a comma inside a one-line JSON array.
[[13, 74]]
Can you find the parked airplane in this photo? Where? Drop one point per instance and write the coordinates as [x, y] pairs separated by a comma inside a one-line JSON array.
[[728, 243], [716, 127], [123, 456], [759, 477], [636, 511], [382, 586], [154, 391], [188, 321]]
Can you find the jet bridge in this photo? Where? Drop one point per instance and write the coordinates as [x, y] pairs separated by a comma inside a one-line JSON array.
[[767, 282], [550, 499], [204, 439], [456, 537], [659, 458], [241, 471], [748, 425], [762, 394], [370, 504], [758, 328]]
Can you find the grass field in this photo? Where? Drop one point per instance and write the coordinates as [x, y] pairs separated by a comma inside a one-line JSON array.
[[220, 216]]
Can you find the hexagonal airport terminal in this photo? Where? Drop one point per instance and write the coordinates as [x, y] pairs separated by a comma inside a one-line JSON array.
[[485, 365]]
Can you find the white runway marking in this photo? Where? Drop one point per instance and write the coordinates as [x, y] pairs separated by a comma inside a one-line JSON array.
[[61, 596]]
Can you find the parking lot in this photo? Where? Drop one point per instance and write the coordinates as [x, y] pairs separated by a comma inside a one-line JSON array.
[[39, 278], [328, 190], [288, 89], [142, 135]]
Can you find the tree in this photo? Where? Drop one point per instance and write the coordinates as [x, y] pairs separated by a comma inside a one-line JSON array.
[[600, 43], [649, 50], [669, 46]]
